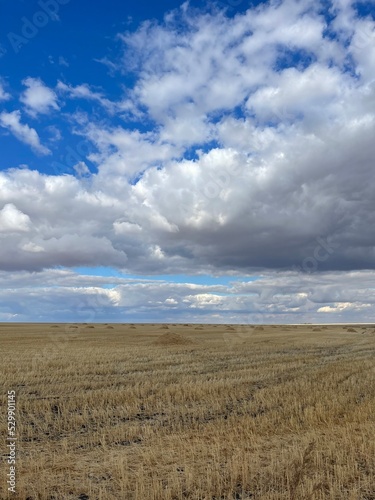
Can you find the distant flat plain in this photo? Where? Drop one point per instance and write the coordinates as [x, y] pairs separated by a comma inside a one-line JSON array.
[[162, 412]]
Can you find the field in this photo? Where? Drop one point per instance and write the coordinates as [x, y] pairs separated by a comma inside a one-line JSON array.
[[190, 411]]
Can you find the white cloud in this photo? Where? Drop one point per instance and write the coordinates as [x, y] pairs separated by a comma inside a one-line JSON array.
[[126, 228], [112, 66], [38, 98], [81, 169], [24, 133], [13, 220], [204, 300], [84, 92], [55, 134], [216, 63], [128, 153], [4, 96], [171, 302], [32, 247], [285, 297], [339, 307]]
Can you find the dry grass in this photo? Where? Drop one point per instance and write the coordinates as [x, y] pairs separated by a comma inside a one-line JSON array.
[[227, 413], [169, 339]]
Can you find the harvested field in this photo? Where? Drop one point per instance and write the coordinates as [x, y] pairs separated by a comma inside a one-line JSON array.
[[172, 339], [219, 413]]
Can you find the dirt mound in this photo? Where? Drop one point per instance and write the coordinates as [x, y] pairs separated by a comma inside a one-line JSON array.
[[90, 326], [259, 329], [110, 327], [351, 330], [164, 327], [172, 339], [317, 329]]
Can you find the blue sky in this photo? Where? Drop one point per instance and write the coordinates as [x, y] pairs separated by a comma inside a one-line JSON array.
[[68, 47], [187, 161]]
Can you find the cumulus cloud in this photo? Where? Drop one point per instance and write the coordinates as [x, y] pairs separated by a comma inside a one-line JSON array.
[[24, 133], [247, 149], [13, 220], [38, 98], [282, 140]]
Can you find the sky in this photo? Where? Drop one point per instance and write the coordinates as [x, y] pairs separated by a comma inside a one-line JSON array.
[[207, 162]]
